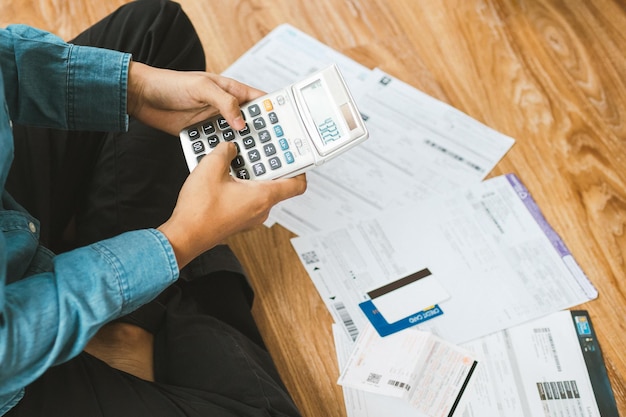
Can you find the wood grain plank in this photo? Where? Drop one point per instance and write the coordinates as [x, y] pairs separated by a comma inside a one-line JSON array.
[[551, 74]]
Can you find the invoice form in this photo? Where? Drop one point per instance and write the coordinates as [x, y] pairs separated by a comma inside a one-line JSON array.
[[487, 245]]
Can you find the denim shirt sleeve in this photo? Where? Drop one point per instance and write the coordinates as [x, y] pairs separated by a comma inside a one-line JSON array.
[[61, 85], [47, 315], [48, 318]]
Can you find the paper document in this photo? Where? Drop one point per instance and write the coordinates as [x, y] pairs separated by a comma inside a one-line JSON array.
[[538, 369], [362, 403], [549, 367], [487, 245], [418, 146], [427, 372]]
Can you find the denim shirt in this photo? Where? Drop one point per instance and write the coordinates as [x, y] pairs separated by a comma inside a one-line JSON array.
[[50, 306]]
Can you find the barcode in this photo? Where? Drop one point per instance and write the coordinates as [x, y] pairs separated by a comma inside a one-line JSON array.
[[348, 323], [310, 257], [398, 384], [558, 390], [453, 155], [374, 378]]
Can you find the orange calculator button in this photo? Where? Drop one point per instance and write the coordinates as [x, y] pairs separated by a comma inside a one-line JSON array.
[[267, 103]]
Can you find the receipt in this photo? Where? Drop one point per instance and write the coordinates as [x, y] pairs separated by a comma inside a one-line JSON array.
[[419, 367]]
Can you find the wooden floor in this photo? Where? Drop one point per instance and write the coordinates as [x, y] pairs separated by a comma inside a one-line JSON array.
[[550, 73]]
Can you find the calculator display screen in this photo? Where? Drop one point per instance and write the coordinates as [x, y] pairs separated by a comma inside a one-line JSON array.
[[330, 123]]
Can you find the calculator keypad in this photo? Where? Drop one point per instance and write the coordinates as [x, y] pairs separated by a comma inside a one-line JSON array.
[[265, 145]]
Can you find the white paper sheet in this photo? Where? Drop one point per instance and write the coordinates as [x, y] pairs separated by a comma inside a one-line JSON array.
[[487, 244], [418, 146], [526, 360], [515, 365], [427, 372]]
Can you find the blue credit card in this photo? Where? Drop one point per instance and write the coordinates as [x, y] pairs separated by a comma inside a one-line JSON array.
[[384, 328]]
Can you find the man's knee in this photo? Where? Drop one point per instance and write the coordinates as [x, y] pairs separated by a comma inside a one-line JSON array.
[[150, 10], [169, 39]]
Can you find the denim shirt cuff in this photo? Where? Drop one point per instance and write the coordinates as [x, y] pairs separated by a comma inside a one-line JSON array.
[[145, 263], [97, 87]]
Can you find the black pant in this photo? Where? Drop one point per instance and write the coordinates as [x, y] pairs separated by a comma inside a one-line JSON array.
[[108, 183], [209, 357]]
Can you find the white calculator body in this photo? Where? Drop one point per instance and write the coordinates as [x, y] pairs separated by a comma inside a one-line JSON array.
[[287, 131]]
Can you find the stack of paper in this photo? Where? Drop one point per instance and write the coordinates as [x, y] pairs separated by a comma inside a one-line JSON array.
[[422, 260]]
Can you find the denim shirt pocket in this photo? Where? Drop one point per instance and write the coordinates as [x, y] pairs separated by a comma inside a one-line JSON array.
[[21, 233]]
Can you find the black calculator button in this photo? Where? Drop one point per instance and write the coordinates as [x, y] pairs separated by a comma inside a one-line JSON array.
[[222, 123], [213, 141], [248, 142], [193, 133], [274, 162], [238, 162], [243, 174], [269, 149], [208, 128], [245, 131], [198, 147], [228, 135], [259, 169], [254, 110], [199, 157], [254, 155], [273, 118], [237, 147], [264, 136], [259, 123]]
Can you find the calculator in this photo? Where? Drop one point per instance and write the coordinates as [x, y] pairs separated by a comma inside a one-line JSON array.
[[287, 132]]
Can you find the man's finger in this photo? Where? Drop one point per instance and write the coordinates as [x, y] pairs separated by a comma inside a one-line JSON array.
[[283, 189], [221, 157], [241, 92], [226, 103]]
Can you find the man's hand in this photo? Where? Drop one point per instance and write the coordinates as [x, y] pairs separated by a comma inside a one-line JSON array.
[[212, 204], [171, 100]]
